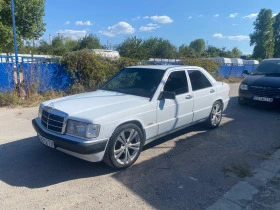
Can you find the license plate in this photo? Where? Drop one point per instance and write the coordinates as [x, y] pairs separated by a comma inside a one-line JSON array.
[[263, 99], [46, 141]]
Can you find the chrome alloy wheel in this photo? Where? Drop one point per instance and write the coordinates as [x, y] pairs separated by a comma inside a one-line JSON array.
[[216, 114], [127, 146]]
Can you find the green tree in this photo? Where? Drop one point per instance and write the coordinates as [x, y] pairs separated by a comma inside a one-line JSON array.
[[236, 53], [71, 45], [132, 48], [58, 46], [29, 21], [276, 30], [159, 48], [28, 48], [198, 46], [90, 42], [44, 48], [165, 49], [262, 38], [187, 52], [150, 47], [212, 51]]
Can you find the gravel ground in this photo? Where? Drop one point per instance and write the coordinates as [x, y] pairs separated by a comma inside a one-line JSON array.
[[185, 170]]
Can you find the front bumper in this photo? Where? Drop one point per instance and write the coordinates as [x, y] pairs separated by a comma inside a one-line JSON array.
[[247, 97], [69, 144]]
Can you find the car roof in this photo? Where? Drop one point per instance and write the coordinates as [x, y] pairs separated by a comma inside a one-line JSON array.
[[162, 67], [272, 59]]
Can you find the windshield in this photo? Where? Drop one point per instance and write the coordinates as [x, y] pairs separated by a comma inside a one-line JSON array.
[[135, 81], [268, 68]]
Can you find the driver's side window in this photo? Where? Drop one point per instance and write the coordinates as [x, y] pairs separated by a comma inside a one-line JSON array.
[[177, 83]]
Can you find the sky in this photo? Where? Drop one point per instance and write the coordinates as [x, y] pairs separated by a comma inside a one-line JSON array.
[[220, 23]]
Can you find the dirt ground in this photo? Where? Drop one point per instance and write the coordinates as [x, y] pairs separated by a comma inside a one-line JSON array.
[[185, 170]]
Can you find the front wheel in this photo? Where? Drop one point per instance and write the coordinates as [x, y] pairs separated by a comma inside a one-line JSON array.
[[215, 117], [124, 146]]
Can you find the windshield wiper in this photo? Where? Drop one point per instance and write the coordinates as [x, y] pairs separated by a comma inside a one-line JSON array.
[[257, 74]]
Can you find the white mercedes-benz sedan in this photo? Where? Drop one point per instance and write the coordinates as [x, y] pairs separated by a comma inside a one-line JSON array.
[[135, 107]]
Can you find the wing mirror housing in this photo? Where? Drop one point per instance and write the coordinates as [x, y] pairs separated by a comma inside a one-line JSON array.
[[166, 95]]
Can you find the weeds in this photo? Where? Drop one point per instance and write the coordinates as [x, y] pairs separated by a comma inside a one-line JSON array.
[[12, 99], [241, 170]]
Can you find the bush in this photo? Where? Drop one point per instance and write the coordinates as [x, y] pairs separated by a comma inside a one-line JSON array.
[[8, 99], [89, 71]]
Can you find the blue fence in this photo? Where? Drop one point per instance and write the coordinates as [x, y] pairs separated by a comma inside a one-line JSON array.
[[39, 74], [45, 76], [234, 71], [6, 74]]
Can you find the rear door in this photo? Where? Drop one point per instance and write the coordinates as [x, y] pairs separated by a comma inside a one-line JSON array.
[[172, 114], [203, 94]]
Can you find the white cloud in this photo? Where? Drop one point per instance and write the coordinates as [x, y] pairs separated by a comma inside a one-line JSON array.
[[239, 38], [190, 17], [251, 16], [235, 38], [149, 27], [81, 23], [146, 17], [217, 15], [73, 34], [233, 15], [219, 36], [152, 24], [161, 19], [137, 18], [200, 16], [273, 15], [67, 22], [120, 28], [234, 24]]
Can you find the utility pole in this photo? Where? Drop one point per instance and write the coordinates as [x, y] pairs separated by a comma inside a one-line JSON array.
[[15, 42]]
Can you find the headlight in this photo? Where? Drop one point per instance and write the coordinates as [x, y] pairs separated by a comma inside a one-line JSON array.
[[243, 87], [82, 129], [40, 112]]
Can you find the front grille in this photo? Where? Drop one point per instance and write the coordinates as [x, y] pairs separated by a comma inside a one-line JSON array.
[[53, 120], [265, 91]]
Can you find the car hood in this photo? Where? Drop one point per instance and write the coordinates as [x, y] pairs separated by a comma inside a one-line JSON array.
[[263, 81], [100, 103]]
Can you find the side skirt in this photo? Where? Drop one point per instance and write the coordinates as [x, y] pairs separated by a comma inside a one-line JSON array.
[[173, 131]]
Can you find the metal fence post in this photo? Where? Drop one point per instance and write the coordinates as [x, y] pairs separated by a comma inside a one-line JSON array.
[[15, 43]]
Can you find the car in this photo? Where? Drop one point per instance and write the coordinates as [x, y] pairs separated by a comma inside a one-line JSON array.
[[262, 85], [138, 105]]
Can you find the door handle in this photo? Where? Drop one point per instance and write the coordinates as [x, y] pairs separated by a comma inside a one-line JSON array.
[[189, 96], [212, 91]]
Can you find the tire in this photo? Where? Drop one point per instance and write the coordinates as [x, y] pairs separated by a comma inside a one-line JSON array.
[[241, 102], [215, 117], [122, 150]]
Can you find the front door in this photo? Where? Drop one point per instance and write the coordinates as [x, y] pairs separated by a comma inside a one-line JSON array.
[[172, 114]]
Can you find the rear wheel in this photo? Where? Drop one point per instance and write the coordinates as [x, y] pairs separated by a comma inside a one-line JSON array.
[[215, 117], [124, 146]]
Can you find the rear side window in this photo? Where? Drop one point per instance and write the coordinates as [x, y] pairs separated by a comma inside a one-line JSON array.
[[177, 83], [198, 80]]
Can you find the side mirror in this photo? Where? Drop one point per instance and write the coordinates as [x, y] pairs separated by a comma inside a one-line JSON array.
[[166, 95], [246, 72]]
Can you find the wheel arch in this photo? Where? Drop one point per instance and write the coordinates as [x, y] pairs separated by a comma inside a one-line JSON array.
[[220, 100], [136, 122]]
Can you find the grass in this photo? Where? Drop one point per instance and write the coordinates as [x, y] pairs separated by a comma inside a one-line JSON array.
[[12, 99], [229, 80], [240, 170]]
